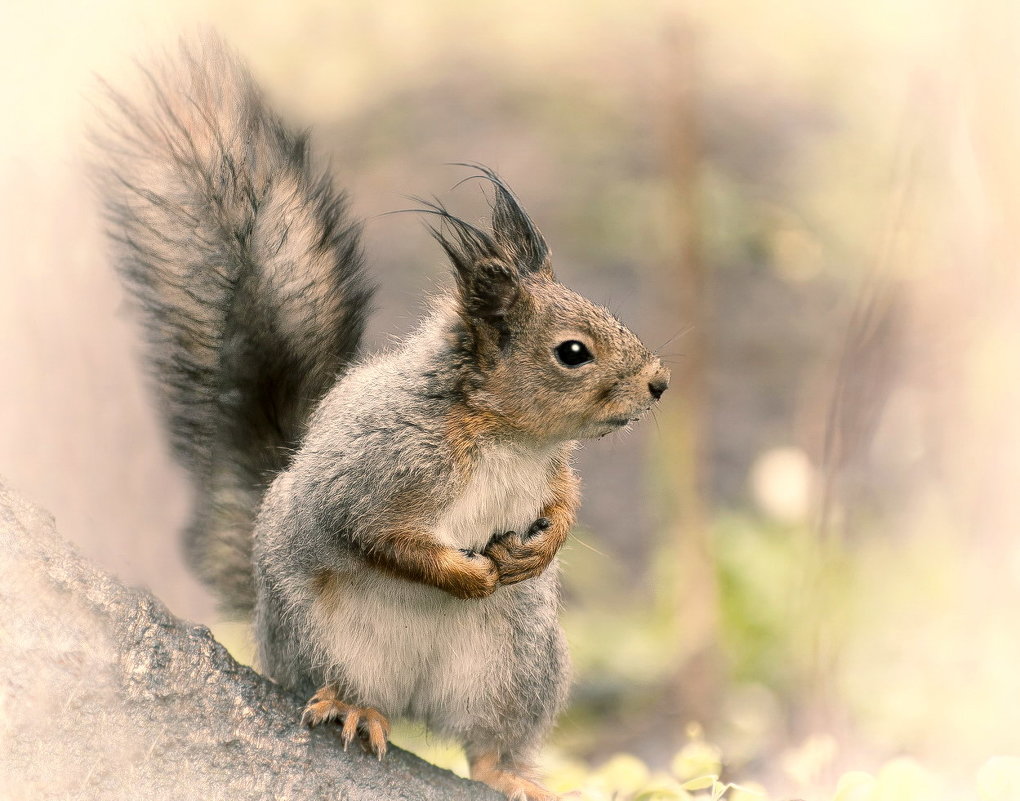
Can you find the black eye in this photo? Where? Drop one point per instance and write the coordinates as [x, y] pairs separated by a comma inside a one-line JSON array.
[[573, 353]]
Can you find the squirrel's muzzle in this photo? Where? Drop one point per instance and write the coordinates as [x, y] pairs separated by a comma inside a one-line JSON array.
[[658, 382]]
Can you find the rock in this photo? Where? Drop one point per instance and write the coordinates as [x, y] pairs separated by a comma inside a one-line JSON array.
[[106, 695]]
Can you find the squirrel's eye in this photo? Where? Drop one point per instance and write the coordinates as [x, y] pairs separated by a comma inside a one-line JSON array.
[[573, 353]]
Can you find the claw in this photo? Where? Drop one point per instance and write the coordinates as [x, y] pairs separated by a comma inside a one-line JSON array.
[[369, 725], [350, 729], [540, 525], [378, 732]]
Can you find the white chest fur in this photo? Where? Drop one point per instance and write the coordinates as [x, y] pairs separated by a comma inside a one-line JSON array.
[[506, 492]]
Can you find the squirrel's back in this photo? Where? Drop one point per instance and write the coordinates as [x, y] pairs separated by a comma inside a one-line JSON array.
[[248, 271]]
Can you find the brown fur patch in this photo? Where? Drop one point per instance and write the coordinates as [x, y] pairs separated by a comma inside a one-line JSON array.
[[465, 429], [326, 585], [515, 786], [413, 554]]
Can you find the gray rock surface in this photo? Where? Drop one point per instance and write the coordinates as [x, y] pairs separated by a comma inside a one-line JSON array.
[[106, 695]]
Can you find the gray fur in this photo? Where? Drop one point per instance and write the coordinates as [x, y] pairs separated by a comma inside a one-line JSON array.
[[248, 270], [493, 672]]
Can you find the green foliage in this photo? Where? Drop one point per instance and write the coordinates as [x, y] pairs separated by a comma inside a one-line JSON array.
[[761, 568], [700, 771], [626, 778]]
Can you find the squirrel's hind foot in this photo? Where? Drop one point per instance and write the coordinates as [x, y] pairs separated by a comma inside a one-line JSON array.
[[514, 786], [367, 724]]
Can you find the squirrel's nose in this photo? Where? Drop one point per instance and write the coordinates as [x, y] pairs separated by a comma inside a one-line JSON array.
[[657, 387]]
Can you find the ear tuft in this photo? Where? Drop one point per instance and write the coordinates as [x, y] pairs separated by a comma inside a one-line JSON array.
[[518, 235], [491, 266], [514, 238], [512, 227], [488, 283]]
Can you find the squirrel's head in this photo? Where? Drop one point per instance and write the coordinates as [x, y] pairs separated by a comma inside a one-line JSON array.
[[548, 361]]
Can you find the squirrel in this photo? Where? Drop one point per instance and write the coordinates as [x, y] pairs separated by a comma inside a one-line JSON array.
[[392, 522]]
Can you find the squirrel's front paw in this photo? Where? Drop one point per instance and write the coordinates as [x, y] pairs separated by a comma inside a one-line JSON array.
[[367, 724], [519, 557], [473, 575]]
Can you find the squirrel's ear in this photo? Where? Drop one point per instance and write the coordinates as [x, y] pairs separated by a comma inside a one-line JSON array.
[[489, 291], [488, 287], [515, 232]]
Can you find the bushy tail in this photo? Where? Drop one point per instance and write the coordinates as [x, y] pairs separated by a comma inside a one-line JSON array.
[[248, 271]]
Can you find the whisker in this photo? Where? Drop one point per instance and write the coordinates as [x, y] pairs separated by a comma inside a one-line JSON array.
[[682, 332], [591, 548]]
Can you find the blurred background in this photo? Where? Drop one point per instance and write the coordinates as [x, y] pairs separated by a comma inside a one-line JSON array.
[[809, 561]]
